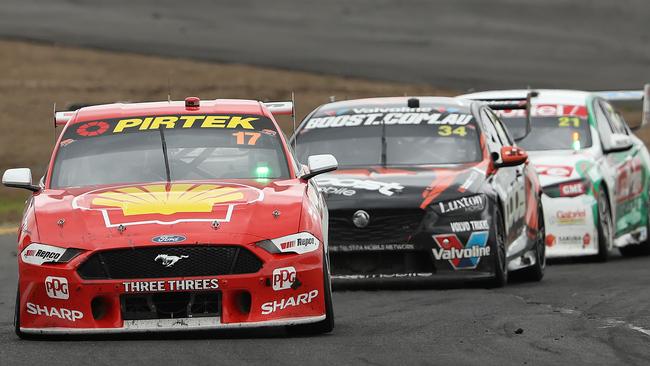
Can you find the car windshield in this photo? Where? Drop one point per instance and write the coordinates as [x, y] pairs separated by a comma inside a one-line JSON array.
[[422, 136], [169, 148], [561, 130]]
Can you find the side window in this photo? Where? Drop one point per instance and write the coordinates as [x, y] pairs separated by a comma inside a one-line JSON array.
[[616, 123]]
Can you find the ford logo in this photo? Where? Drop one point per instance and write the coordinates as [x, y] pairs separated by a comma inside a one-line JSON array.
[[168, 238]]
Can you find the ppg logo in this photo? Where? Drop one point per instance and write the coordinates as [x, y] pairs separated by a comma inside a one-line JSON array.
[[57, 288], [283, 278]]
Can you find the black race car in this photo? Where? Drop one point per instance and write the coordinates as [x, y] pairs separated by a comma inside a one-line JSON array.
[[427, 188]]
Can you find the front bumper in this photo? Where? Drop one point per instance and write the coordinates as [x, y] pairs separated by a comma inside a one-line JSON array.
[[570, 226], [438, 249], [54, 299]]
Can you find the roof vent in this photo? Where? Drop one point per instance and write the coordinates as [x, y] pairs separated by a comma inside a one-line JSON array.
[[414, 103]]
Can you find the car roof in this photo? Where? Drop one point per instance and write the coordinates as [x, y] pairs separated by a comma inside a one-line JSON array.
[[397, 102], [216, 106], [545, 96]]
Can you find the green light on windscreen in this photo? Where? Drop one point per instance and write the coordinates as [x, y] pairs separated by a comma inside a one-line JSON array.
[[262, 171], [576, 141]]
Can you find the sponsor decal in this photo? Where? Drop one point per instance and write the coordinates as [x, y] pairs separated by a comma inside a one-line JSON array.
[[167, 238], [167, 203], [572, 189], [169, 260], [92, 128], [390, 118], [39, 253], [297, 243], [369, 247], [171, 285], [293, 301], [348, 186], [283, 278], [57, 287], [52, 312], [586, 240], [571, 217], [464, 226], [472, 203], [554, 170], [383, 275], [462, 256], [546, 110]]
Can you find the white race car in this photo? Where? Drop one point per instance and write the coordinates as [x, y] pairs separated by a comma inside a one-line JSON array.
[[593, 170]]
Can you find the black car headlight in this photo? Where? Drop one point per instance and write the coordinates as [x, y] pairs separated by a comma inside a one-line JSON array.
[[460, 206], [299, 243], [37, 254]]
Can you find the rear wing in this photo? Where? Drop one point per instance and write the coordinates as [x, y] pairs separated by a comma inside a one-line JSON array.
[[500, 104], [631, 96]]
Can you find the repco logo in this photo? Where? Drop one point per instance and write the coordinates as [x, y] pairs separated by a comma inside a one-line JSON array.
[[283, 278], [57, 288]]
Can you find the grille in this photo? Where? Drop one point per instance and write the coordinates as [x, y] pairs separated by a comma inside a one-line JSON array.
[[385, 227], [195, 260], [170, 305]]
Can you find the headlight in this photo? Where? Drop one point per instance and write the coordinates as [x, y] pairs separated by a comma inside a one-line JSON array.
[[299, 243], [461, 205], [38, 254]]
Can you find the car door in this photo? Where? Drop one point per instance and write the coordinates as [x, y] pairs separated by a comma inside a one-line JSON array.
[[627, 169], [508, 181]]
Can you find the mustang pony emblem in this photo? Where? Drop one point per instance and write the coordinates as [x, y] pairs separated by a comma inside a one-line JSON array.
[[169, 260]]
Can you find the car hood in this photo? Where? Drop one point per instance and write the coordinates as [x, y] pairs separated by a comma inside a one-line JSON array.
[[136, 214], [555, 167], [378, 187]]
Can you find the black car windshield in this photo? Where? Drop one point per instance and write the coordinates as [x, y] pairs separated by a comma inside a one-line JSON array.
[[169, 148], [561, 131], [423, 136]]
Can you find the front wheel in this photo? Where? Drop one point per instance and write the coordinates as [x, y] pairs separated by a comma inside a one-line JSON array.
[[326, 325], [500, 261], [605, 226]]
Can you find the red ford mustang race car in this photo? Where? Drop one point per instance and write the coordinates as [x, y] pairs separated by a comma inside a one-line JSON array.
[[173, 216]]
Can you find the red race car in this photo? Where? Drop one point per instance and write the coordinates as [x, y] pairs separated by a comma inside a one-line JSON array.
[[173, 216]]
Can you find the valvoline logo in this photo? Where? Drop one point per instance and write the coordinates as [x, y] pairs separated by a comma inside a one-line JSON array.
[[462, 256]]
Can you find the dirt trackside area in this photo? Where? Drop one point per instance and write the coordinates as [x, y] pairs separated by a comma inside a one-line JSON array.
[[34, 76]]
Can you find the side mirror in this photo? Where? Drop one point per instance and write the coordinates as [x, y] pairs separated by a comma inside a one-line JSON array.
[[19, 178], [512, 156], [619, 142], [319, 164]]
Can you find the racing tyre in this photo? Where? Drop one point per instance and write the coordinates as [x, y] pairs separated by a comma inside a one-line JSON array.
[[20, 334], [326, 325], [605, 227], [535, 273], [500, 261], [637, 250]]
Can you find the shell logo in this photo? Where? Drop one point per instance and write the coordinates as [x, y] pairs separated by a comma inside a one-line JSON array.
[[167, 203]]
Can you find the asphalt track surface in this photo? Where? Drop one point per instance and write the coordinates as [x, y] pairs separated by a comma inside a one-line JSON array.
[[580, 314], [458, 44]]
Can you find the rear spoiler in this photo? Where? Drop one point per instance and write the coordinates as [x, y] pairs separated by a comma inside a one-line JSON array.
[[500, 104], [276, 108], [631, 96]]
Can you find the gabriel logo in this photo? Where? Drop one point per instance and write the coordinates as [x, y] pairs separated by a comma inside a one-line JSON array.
[[169, 260]]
